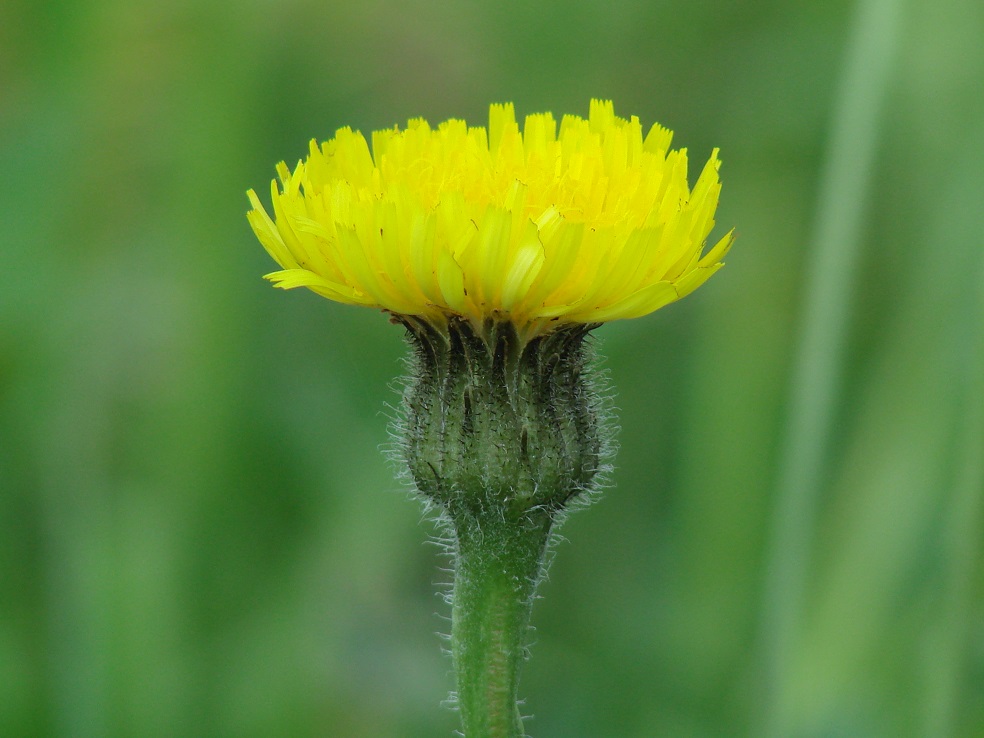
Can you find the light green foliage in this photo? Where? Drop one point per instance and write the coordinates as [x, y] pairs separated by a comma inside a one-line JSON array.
[[198, 534]]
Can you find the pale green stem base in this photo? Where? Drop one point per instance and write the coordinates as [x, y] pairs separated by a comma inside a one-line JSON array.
[[497, 567]]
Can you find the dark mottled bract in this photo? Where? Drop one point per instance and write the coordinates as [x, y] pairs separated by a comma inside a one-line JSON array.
[[495, 425]]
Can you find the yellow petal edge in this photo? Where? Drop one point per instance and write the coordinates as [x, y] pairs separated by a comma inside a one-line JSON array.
[[589, 223]]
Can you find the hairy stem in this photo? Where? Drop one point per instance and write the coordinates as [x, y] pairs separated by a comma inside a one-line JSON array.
[[497, 566]]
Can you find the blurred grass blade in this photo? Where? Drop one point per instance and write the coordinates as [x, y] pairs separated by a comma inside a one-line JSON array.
[[963, 531], [817, 371]]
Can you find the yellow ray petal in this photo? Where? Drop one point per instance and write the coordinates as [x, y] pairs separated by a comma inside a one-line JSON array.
[[642, 302], [583, 222]]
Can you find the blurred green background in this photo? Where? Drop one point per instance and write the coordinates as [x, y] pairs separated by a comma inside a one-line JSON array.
[[199, 535]]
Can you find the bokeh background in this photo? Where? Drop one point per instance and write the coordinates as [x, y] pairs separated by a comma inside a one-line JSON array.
[[199, 535]]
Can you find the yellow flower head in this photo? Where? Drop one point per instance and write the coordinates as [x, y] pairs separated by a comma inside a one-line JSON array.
[[542, 228]]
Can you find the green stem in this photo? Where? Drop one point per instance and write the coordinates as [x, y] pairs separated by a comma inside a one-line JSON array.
[[497, 566]]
